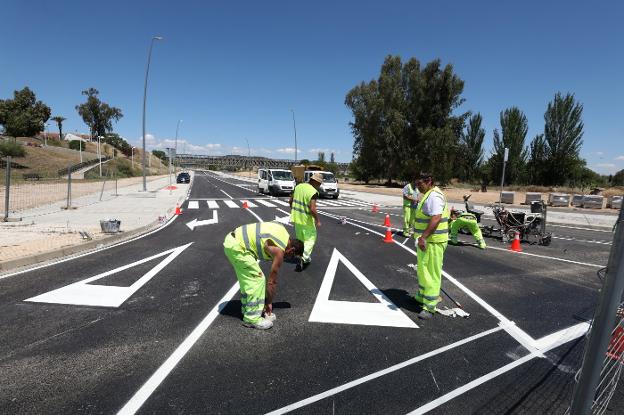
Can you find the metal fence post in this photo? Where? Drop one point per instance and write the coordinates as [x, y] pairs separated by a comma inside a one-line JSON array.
[[68, 187], [602, 326], [7, 180]]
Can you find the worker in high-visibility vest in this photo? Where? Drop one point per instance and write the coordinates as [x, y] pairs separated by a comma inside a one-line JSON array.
[[431, 233], [461, 220], [244, 247], [305, 217], [410, 203]]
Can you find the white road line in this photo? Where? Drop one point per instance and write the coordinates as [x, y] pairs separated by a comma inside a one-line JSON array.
[[549, 342], [226, 194], [264, 202], [320, 204], [249, 203], [230, 204], [587, 264], [280, 202], [193, 204], [139, 398], [582, 229], [326, 202], [212, 204], [593, 241], [379, 373]]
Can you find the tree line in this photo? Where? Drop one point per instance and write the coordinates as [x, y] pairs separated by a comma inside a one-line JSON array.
[[405, 121], [25, 116]]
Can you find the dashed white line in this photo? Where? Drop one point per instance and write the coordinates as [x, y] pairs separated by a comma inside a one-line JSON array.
[[212, 204], [230, 204], [224, 192]]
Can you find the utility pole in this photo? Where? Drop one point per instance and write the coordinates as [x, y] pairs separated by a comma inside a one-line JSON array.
[[149, 58], [505, 157], [295, 128]]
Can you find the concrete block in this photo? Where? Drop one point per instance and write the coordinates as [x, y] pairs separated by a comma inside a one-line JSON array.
[[508, 197], [559, 199], [593, 201], [532, 197], [577, 200], [615, 202]]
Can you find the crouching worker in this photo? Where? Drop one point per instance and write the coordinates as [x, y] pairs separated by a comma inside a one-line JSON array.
[[246, 245], [467, 221]]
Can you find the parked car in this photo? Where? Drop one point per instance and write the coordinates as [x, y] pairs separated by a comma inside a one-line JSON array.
[[275, 181], [329, 187], [183, 177]]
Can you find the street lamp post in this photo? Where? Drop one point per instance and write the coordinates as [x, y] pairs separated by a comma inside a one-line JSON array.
[[295, 128], [100, 154], [248, 155], [132, 153], [176, 145], [149, 58], [46, 134]]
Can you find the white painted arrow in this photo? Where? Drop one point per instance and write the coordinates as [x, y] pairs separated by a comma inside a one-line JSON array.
[[195, 223], [285, 220]]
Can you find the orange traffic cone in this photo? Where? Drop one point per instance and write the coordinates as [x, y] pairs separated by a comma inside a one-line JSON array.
[[515, 244], [388, 238], [245, 206], [178, 211], [387, 221], [375, 208]]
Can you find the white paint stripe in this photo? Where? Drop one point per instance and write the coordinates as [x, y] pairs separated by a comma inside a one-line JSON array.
[[405, 241], [264, 202], [224, 192], [546, 257], [280, 202], [380, 373], [193, 204], [593, 241], [230, 204], [213, 204], [328, 203], [583, 229], [257, 217], [139, 398], [283, 211], [549, 342], [249, 203]]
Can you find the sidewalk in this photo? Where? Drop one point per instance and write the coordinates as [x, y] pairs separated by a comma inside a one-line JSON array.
[[49, 232]]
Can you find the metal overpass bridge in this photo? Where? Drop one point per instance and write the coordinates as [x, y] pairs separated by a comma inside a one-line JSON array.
[[235, 162]]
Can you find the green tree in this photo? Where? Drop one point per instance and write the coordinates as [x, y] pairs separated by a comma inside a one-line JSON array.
[[12, 149], [618, 178], [160, 154], [76, 145], [321, 156], [118, 142], [514, 127], [59, 122], [23, 116], [332, 158], [538, 159], [563, 134], [97, 115], [471, 147]]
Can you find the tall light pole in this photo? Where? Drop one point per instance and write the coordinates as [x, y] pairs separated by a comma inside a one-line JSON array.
[[46, 134], [248, 155], [176, 145], [295, 128], [149, 58], [100, 154], [133, 156]]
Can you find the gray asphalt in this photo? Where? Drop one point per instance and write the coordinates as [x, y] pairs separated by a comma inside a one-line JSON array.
[[78, 359]]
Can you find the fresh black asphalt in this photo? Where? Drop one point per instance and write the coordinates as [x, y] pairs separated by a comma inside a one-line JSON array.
[[77, 359]]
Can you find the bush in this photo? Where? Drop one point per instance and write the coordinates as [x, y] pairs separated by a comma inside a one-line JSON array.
[[76, 145], [12, 149]]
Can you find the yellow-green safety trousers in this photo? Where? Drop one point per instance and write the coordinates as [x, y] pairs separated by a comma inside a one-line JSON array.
[[470, 223], [250, 278], [429, 271], [306, 234], [409, 214]]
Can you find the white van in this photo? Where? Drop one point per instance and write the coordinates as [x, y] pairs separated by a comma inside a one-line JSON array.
[[275, 181], [329, 187]]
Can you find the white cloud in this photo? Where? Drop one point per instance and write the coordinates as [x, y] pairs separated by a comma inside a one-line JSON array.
[[287, 150], [620, 158], [599, 153], [604, 168], [606, 165]]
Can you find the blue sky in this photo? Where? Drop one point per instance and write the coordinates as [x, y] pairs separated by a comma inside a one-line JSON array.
[[233, 70]]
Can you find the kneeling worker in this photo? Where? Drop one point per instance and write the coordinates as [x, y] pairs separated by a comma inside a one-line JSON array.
[[460, 220], [246, 245]]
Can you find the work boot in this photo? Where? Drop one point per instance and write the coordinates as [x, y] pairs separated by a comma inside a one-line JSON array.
[[424, 314], [482, 245], [299, 266], [271, 317], [262, 324], [305, 264], [453, 241]]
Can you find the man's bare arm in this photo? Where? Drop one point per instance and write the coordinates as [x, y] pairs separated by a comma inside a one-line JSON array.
[[314, 213], [271, 287]]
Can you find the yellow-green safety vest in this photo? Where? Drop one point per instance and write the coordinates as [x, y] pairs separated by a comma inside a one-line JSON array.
[[254, 236], [300, 210], [408, 203], [440, 234]]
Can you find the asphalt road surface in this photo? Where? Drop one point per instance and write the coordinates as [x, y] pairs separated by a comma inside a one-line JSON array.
[[153, 326]]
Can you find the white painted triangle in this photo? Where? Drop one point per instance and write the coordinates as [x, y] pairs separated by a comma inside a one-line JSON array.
[[83, 293], [384, 313]]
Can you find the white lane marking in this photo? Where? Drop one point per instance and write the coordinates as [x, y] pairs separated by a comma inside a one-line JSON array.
[[139, 398], [280, 202], [509, 326], [83, 293], [548, 343], [587, 264], [321, 204], [405, 241], [212, 204], [195, 223], [95, 251], [249, 203], [257, 217], [225, 193], [230, 204], [380, 373], [328, 203], [384, 313], [593, 241], [264, 202], [193, 204], [583, 229], [285, 220]]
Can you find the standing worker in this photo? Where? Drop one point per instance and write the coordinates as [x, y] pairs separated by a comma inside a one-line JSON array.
[[431, 233], [410, 203], [243, 248], [303, 214], [461, 220]]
